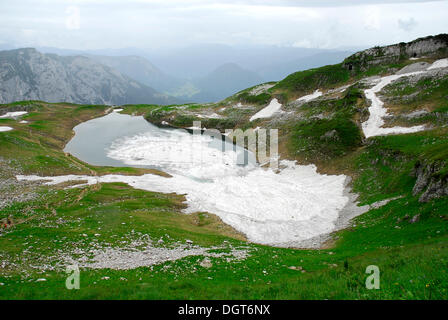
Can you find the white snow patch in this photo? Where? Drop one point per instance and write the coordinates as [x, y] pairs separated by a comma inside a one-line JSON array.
[[442, 63], [4, 129], [293, 205], [267, 112], [117, 110], [210, 116], [15, 114], [23, 121], [179, 152], [312, 96], [373, 126]]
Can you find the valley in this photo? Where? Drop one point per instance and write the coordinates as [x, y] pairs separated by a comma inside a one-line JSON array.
[[368, 135]]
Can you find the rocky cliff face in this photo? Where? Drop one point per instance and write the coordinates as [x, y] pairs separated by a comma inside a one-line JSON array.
[[141, 70], [26, 74], [431, 46], [430, 181]]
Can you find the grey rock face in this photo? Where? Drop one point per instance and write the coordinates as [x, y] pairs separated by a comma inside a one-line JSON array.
[[430, 181], [26, 74], [330, 135], [415, 219], [429, 46], [415, 67], [140, 69]]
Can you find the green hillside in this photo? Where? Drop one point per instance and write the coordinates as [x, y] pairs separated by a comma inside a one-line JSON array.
[[407, 237]]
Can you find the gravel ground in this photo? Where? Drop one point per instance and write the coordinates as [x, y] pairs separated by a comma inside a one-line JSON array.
[[12, 190], [137, 251], [129, 257]]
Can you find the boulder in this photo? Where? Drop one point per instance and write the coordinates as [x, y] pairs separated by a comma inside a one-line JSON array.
[[430, 181], [330, 135]]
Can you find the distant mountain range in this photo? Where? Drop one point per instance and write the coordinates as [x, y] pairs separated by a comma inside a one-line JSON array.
[[281, 69], [26, 74], [225, 80], [199, 60], [203, 73], [140, 69]]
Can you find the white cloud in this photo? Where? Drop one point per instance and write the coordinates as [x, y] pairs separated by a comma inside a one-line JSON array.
[[73, 19], [372, 18], [304, 43], [157, 23], [407, 25]]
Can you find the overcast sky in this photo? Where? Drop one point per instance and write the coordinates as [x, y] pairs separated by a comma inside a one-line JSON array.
[[97, 24]]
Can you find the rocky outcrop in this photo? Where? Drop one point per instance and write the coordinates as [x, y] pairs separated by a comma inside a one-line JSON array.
[[430, 181], [26, 74], [429, 46], [27, 106], [331, 135]]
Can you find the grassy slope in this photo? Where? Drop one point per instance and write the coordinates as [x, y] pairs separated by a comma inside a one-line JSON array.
[[412, 256]]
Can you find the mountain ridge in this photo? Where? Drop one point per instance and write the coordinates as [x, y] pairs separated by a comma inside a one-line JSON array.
[[27, 74]]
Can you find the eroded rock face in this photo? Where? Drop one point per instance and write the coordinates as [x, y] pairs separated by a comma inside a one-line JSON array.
[[26, 74], [331, 135], [428, 46], [430, 181], [17, 107]]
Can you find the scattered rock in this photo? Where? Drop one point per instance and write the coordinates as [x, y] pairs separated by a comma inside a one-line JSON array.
[[330, 135], [206, 263], [416, 114], [415, 218], [298, 268]]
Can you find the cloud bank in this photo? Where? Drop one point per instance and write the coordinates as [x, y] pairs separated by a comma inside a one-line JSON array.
[[95, 24]]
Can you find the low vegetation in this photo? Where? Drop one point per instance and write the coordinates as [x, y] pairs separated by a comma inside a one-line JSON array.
[[407, 238]]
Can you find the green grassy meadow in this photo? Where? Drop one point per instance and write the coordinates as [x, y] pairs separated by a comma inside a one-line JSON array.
[[412, 257]]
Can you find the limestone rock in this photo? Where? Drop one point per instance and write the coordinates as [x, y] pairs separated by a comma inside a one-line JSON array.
[[27, 74], [429, 181], [206, 263]]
